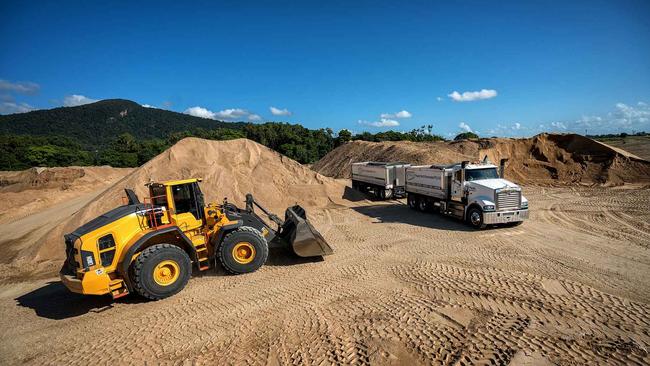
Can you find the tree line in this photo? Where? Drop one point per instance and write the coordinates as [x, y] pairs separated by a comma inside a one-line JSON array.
[[304, 145]]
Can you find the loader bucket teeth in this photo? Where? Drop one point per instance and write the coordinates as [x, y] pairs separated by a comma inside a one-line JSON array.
[[303, 238]]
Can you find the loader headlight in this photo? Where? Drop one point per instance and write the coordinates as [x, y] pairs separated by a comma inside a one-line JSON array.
[[87, 259], [488, 208]]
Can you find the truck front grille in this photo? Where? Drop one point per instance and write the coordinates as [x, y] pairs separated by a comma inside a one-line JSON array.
[[508, 200]]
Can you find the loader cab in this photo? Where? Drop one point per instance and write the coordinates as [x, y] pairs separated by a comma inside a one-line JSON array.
[[183, 200]]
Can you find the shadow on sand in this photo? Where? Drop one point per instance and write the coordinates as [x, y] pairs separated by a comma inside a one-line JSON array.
[[401, 213], [55, 301]]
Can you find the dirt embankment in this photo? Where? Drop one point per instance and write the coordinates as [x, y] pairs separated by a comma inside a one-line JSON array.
[[33, 190], [542, 159], [228, 169]]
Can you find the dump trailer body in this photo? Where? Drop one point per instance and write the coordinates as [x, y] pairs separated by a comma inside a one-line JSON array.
[[428, 180], [385, 179]]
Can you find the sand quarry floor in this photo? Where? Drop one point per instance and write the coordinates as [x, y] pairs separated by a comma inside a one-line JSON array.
[[569, 286]]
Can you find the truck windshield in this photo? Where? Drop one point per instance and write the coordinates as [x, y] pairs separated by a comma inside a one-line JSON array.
[[478, 174]]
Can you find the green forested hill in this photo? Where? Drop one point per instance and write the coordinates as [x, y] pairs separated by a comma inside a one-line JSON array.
[[122, 133], [98, 123]]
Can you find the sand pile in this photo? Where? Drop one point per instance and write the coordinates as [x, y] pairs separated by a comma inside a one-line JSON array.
[[337, 163], [228, 168], [28, 191], [542, 159]]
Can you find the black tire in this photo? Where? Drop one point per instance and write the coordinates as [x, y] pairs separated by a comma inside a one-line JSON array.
[[412, 201], [475, 218], [145, 266], [251, 260], [355, 185], [423, 205]]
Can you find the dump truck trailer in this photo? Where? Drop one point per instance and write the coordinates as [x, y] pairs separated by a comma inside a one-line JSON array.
[[384, 180], [476, 193]]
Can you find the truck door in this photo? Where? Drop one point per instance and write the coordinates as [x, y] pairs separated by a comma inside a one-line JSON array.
[[187, 211], [457, 185]]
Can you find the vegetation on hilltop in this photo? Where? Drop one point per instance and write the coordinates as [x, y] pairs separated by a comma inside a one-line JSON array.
[[122, 133]]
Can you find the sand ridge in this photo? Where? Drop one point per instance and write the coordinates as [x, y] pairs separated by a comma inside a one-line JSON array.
[[542, 159]]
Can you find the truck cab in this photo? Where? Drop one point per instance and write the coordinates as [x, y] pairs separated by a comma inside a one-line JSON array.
[[487, 197]]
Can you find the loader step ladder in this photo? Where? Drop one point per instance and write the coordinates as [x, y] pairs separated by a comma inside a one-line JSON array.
[[203, 260], [118, 289]]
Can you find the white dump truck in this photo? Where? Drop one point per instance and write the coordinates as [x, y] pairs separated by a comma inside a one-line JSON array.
[[476, 193], [385, 180]]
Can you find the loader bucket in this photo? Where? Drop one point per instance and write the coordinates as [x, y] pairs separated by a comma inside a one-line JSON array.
[[303, 238]]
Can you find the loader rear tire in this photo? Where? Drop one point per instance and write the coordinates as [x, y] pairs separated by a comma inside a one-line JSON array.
[[160, 271], [243, 250]]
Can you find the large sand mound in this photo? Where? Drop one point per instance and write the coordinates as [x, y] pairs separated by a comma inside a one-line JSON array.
[[542, 159], [228, 168]]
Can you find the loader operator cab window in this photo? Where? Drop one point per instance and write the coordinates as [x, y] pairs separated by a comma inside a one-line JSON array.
[[159, 195], [185, 199]]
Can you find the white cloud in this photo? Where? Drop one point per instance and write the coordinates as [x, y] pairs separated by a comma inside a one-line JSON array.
[[279, 112], [76, 100], [234, 114], [559, 125], [149, 106], [12, 107], [516, 126], [439, 99], [22, 87], [400, 114], [383, 122], [465, 127], [470, 96], [200, 112]]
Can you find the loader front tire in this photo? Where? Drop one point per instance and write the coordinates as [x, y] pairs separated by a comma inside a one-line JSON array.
[[160, 271], [243, 250]]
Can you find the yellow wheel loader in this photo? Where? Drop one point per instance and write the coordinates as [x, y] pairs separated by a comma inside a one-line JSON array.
[[151, 247]]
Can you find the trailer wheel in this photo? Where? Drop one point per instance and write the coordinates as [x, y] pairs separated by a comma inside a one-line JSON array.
[[411, 201], [423, 205], [160, 271], [475, 218], [388, 194], [243, 250]]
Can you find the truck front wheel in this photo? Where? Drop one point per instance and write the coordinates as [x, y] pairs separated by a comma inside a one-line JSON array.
[[475, 218], [160, 271]]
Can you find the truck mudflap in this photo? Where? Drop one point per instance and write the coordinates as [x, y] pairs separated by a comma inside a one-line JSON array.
[[301, 235], [504, 217]]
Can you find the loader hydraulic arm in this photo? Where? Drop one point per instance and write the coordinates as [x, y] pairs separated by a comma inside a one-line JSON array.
[[250, 207]]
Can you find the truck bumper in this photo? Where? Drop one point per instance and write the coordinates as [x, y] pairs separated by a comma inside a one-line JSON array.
[[504, 217], [94, 282]]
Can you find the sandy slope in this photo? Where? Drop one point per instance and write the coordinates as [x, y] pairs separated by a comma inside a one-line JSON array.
[[569, 287], [548, 159]]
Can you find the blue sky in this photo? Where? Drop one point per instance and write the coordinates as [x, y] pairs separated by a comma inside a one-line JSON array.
[[499, 68]]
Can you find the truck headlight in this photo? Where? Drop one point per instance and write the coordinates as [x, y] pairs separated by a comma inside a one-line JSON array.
[[488, 208], [524, 204]]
